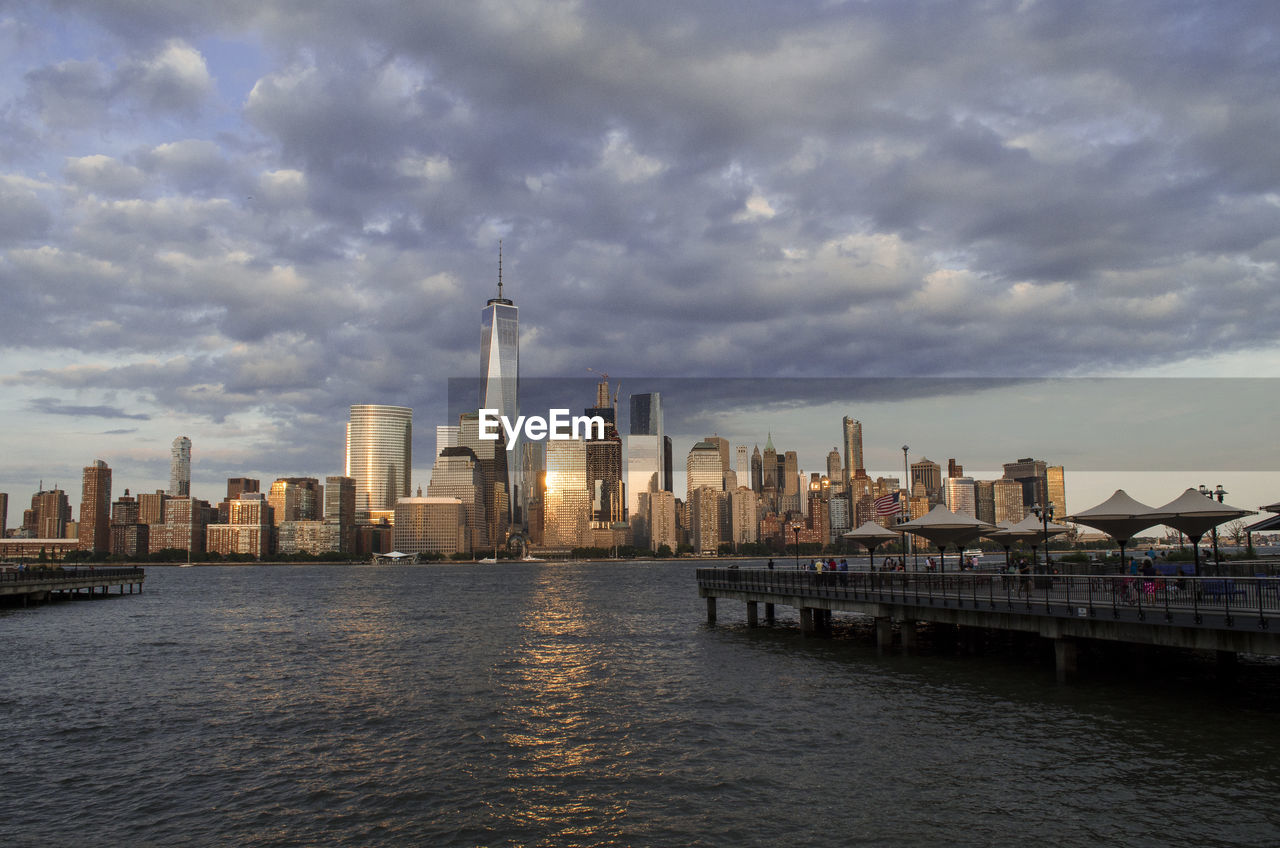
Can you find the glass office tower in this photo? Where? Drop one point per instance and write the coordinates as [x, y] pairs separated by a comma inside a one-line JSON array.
[[500, 377], [379, 455]]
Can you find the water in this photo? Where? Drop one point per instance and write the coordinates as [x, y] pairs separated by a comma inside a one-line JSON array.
[[584, 704]]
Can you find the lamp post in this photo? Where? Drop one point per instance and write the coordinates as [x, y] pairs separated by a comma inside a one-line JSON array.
[[796, 530], [1045, 514], [1218, 493]]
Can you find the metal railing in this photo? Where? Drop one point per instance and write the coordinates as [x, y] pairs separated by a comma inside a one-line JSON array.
[[67, 575], [1186, 601]]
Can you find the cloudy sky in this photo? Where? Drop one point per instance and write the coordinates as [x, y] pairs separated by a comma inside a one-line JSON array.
[[233, 220]]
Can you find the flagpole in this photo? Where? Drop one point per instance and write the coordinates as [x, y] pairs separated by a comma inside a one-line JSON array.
[[907, 548]]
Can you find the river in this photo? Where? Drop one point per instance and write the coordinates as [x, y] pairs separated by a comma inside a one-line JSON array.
[[586, 704]]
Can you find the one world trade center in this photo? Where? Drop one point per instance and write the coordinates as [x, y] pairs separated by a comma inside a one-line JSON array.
[[500, 377]]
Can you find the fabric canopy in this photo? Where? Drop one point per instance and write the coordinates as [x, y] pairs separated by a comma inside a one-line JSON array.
[[1195, 514], [1120, 517], [944, 527], [870, 534]]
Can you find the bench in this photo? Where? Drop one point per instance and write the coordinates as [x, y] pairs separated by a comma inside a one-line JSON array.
[[1220, 589]]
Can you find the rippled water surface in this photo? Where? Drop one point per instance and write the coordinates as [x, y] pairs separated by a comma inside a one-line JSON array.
[[585, 704]]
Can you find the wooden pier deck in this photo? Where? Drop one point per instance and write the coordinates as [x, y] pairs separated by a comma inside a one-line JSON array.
[[41, 584], [1228, 615]]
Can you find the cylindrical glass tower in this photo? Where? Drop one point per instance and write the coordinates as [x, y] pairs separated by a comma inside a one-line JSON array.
[[379, 455]]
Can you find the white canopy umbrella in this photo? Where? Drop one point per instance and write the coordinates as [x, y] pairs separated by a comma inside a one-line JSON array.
[[1033, 529], [1195, 514], [870, 535], [1003, 535], [943, 527], [1120, 517]]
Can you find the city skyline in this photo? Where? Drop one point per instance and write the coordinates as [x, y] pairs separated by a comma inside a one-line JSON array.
[[233, 228]]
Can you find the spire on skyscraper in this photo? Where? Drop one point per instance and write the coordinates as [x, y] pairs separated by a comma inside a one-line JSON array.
[[500, 298]]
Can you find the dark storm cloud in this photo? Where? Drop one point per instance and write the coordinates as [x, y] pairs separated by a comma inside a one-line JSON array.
[[53, 406], [719, 189]]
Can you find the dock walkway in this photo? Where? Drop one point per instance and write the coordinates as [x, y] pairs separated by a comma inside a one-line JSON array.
[[1229, 615], [41, 584]]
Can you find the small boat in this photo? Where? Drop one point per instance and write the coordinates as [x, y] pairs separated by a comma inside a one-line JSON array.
[[973, 552], [487, 559]]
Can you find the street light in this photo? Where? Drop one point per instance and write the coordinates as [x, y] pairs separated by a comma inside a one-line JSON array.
[[796, 530], [1045, 514], [1218, 493]]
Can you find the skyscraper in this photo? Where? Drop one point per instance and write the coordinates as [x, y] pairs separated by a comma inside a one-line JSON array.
[[500, 375], [662, 520], [566, 500], [961, 496], [95, 508], [151, 507], [1057, 482], [852, 447], [668, 480], [757, 471], [340, 508], [1007, 497], [379, 455], [446, 437], [296, 499], [706, 506], [833, 467], [434, 524], [128, 534], [644, 470], [492, 456], [703, 468], [928, 474], [1031, 473], [646, 420], [457, 474], [742, 467], [722, 445], [792, 497], [50, 511], [604, 462], [237, 486], [769, 472], [4, 513], [180, 467]]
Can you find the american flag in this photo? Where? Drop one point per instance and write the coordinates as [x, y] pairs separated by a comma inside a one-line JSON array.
[[887, 505]]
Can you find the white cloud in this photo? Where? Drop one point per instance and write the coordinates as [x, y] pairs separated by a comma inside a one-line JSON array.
[[105, 175], [620, 158], [176, 78]]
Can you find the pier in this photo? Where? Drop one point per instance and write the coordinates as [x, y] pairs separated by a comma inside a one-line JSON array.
[[45, 584], [1229, 615]]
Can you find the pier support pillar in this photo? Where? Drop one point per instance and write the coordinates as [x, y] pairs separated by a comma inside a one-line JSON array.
[[711, 610], [1064, 658], [768, 614], [910, 637], [751, 614], [806, 621], [884, 634]]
